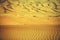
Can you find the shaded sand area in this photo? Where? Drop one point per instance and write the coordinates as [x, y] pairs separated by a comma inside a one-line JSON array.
[[30, 32]]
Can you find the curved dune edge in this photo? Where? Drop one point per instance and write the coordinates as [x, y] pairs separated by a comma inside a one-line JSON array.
[[29, 20]]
